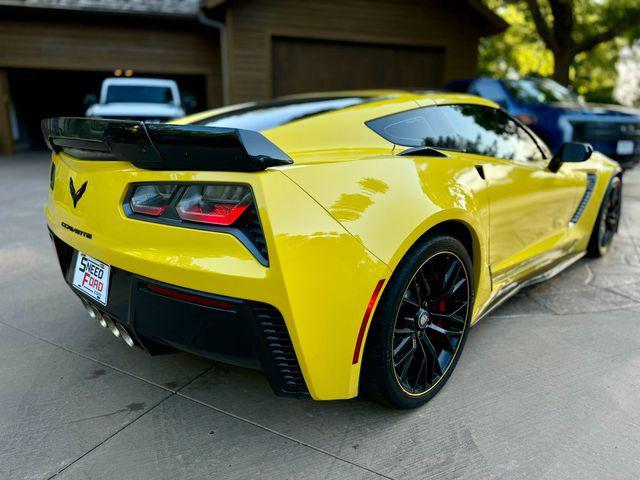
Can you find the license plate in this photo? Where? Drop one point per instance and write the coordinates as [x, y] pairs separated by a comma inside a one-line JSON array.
[[91, 277], [625, 147]]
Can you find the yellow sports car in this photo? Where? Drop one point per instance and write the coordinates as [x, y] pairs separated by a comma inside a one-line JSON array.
[[339, 242]]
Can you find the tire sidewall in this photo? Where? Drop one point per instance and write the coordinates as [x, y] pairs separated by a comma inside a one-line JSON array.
[[595, 249]]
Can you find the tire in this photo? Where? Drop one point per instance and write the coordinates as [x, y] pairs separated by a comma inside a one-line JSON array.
[[607, 221], [388, 376]]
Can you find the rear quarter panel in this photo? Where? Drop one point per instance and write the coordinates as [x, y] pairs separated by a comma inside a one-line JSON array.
[[388, 202]]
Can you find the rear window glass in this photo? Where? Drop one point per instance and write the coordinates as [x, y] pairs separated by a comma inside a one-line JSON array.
[[263, 116], [138, 94], [465, 128]]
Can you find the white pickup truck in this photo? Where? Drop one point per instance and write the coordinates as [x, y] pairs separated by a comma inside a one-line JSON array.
[[148, 99]]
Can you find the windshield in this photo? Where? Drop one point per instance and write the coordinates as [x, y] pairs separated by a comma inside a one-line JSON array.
[[540, 90], [138, 94], [263, 116]]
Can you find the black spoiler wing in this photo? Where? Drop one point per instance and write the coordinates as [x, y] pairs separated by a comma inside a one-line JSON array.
[[155, 146]]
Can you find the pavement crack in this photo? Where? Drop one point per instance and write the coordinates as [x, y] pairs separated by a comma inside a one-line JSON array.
[[110, 436], [129, 408], [173, 393], [285, 436]]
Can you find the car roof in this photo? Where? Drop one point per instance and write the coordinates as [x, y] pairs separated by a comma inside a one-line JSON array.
[[159, 82], [394, 100]]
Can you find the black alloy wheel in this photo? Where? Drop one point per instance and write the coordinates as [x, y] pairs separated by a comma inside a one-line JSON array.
[[608, 220], [420, 325], [430, 322]]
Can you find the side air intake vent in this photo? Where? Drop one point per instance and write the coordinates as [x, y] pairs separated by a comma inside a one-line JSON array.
[[591, 183], [278, 344]]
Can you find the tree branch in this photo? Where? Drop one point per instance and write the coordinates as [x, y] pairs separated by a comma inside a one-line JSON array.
[[541, 24], [563, 22], [630, 20]]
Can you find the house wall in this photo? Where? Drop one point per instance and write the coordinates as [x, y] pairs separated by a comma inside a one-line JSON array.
[[42, 46], [70, 45], [252, 25]]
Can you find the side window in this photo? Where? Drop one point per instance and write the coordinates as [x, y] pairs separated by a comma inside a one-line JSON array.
[[465, 128], [528, 150], [525, 148], [482, 131], [416, 128]]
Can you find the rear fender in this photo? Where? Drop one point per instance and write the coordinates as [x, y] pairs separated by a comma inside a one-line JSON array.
[[389, 202]]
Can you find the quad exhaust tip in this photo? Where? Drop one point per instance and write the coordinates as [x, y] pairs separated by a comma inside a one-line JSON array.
[[104, 321], [124, 335]]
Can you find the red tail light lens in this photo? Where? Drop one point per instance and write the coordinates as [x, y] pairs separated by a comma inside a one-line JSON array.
[[214, 204], [152, 199], [190, 297]]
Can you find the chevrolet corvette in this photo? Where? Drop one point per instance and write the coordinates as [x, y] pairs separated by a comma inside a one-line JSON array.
[[340, 242]]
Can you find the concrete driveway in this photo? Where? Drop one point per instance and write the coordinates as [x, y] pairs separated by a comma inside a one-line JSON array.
[[548, 386]]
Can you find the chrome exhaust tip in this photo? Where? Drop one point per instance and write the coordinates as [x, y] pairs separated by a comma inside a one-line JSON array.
[[101, 321], [126, 338], [104, 321], [111, 325], [95, 314], [108, 322], [90, 310]]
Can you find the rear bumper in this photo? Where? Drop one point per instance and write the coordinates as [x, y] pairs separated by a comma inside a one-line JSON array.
[[246, 333]]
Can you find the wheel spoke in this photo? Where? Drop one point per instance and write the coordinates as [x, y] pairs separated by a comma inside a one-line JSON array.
[[452, 285], [451, 275], [430, 322], [423, 367], [404, 331], [455, 315], [416, 286], [436, 368], [407, 299], [407, 364], [402, 343], [407, 356], [444, 331], [427, 287]]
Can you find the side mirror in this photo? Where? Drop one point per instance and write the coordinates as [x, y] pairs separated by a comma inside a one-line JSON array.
[[570, 152], [90, 99]]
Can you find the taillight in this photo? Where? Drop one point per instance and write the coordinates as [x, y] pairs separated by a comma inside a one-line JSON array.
[[152, 199], [190, 297], [214, 204], [220, 207]]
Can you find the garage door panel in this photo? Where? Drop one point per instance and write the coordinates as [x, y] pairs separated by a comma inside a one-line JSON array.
[[301, 65]]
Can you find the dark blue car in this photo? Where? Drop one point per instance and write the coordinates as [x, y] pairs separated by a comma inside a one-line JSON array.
[[558, 115]]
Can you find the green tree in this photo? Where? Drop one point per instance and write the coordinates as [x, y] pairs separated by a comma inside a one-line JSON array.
[[573, 41]]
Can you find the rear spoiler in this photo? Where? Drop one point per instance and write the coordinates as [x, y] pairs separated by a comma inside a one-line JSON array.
[[155, 146]]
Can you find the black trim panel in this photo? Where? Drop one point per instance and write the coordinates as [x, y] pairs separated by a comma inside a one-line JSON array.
[[591, 185], [248, 333]]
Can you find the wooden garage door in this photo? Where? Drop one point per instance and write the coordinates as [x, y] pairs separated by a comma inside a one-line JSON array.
[[301, 65]]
